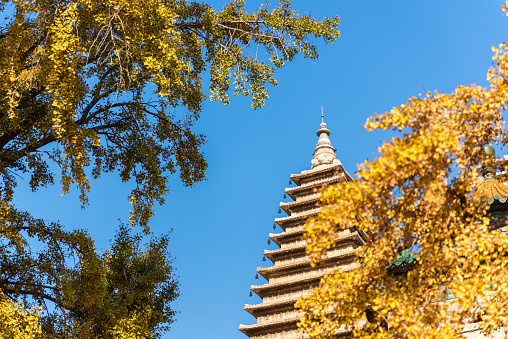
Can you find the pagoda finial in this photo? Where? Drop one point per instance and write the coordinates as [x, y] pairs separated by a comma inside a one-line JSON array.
[[324, 154]]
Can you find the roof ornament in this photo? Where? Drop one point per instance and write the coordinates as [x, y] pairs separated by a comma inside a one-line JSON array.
[[324, 154]]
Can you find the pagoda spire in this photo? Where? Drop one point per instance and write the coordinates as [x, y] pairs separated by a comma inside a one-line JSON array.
[[324, 154], [292, 276]]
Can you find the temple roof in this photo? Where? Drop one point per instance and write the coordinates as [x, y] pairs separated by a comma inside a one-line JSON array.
[[404, 262], [490, 190]]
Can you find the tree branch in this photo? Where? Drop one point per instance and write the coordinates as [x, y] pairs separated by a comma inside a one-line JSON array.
[[33, 118], [28, 149], [96, 96], [101, 110], [199, 24]]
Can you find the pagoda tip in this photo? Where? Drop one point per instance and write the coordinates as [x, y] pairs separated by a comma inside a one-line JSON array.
[[322, 115]]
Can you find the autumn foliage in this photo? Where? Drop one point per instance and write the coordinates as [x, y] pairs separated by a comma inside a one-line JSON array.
[[98, 86], [18, 322], [101, 79], [415, 195]]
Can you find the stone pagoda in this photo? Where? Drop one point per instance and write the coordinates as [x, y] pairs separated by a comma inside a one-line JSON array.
[[291, 275]]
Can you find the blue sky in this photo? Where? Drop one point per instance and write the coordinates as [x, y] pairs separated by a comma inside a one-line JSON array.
[[388, 51]]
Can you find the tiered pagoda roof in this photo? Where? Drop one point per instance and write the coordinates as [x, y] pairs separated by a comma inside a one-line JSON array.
[[291, 275]]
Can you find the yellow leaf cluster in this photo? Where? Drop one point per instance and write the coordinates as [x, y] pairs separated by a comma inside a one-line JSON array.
[[18, 322], [135, 327]]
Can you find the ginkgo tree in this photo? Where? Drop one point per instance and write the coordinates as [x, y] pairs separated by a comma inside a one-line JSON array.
[[78, 74], [95, 86], [416, 196]]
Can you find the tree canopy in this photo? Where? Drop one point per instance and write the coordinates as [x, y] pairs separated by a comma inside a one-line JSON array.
[[82, 293], [95, 86], [96, 83], [416, 196]]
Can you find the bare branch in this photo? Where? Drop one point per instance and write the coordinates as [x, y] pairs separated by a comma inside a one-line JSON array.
[[271, 37], [199, 24], [101, 110], [96, 95]]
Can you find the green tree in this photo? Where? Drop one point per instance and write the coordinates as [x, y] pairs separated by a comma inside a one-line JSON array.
[[124, 291]]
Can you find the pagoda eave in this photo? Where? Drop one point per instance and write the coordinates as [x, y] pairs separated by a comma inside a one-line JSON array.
[[277, 237], [272, 254], [285, 304], [309, 200], [267, 272], [266, 289], [259, 329], [295, 192], [323, 169], [295, 217], [281, 326]]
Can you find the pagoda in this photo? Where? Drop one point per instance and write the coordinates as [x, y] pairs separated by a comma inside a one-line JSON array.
[[291, 275]]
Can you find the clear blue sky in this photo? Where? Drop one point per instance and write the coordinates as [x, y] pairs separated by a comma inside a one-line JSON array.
[[388, 51]]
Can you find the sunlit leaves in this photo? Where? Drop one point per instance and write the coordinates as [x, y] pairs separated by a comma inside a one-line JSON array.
[[18, 322], [92, 84], [414, 195]]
